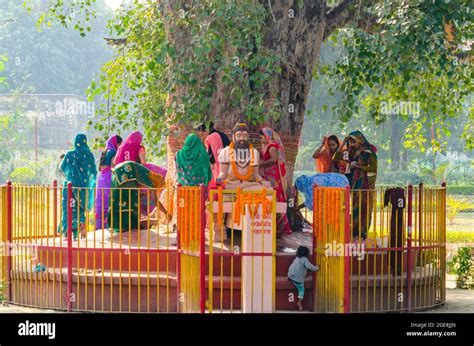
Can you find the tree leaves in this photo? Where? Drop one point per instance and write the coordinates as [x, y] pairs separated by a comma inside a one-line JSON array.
[[405, 60]]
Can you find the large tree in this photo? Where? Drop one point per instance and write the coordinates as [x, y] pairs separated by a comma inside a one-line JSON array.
[[179, 62]]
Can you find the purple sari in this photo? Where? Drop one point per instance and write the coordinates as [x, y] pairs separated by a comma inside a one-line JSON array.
[[103, 184]]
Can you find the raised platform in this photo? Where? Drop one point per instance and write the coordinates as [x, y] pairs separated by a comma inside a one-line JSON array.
[[141, 268]]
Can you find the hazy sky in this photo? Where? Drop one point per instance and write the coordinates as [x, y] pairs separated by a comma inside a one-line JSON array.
[[113, 3]]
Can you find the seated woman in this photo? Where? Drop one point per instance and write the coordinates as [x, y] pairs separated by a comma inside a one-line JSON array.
[[324, 154], [192, 163], [132, 149], [193, 168], [127, 179]]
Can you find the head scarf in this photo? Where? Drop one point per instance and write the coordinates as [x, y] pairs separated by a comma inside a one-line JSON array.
[[274, 139], [324, 162], [192, 163], [214, 141], [128, 150], [112, 143], [360, 138], [78, 165]]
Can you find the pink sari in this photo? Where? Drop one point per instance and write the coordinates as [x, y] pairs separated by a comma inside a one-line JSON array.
[[276, 174], [129, 149], [214, 141]]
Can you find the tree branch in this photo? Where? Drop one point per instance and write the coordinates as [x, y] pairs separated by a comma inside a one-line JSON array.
[[347, 11]]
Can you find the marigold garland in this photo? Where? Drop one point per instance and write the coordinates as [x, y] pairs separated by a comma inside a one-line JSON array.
[[254, 201], [220, 207], [235, 169]]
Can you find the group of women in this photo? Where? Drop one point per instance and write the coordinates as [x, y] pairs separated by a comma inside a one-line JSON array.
[[121, 165], [356, 158]]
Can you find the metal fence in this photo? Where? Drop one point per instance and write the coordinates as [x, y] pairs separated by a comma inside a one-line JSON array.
[[378, 250], [390, 259]]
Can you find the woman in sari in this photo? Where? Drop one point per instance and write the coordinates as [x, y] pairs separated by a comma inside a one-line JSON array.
[[133, 150], [324, 154], [192, 163], [214, 144], [127, 180], [78, 167], [104, 180], [274, 171], [362, 177]]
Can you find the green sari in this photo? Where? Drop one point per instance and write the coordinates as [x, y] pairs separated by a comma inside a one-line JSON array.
[[127, 179], [192, 163]]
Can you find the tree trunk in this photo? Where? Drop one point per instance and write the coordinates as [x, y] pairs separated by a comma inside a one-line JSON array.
[[295, 35], [395, 142]]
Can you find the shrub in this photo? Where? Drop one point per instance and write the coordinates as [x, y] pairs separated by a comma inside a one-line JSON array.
[[462, 267], [454, 206], [402, 178]]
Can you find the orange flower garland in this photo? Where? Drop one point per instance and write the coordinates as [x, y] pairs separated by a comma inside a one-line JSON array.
[[220, 207], [235, 170], [253, 200]]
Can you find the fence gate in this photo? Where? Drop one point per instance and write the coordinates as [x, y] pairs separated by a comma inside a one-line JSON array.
[[191, 249], [331, 234]]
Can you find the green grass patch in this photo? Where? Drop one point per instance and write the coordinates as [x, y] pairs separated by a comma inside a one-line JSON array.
[[460, 189], [459, 237]]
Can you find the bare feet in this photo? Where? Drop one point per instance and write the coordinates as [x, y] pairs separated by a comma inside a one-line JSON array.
[[300, 305], [83, 231]]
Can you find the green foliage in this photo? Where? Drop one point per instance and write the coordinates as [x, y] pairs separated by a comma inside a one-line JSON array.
[[15, 131], [401, 178], [462, 267], [23, 175], [460, 189], [406, 59], [220, 50], [3, 59], [455, 205], [150, 66]]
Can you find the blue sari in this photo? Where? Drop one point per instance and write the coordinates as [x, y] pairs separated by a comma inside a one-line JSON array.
[[306, 184], [79, 169]]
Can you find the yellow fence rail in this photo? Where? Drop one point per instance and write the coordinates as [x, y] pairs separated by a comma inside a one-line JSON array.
[[242, 263], [54, 266], [378, 250], [390, 243]]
